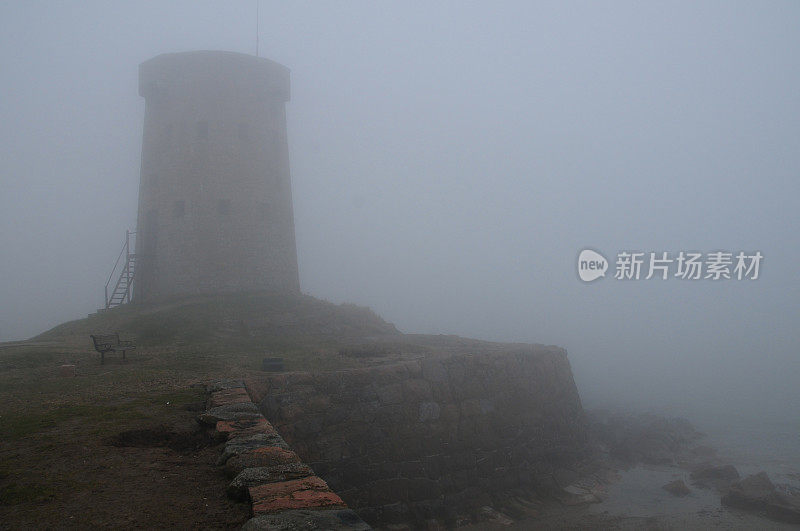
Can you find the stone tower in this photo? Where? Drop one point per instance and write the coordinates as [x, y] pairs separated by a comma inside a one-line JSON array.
[[215, 196]]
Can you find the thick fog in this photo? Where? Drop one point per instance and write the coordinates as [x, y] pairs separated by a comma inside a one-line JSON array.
[[449, 162]]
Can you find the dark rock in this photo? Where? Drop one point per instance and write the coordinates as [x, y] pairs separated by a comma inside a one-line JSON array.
[[577, 495], [754, 493], [239, 445], [757, 493], [564, 478], [226, 397], [220, 385], [252, 477], [259, 457], [242, 427], [643, 438], [677, 488], [785, 508], [229, 412], [306, 520]]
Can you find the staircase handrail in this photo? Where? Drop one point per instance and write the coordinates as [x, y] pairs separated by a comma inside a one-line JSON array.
[[124, 251]]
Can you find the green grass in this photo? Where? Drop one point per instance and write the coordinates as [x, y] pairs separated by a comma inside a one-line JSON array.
[[179, 342], [54, 429], [256, 320], [18, 425]]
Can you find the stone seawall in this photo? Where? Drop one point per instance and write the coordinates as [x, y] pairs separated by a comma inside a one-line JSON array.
[[284, 493], [433, 438]]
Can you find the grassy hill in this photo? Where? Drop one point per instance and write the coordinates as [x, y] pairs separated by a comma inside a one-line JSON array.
[[248, 319], [57, 466]]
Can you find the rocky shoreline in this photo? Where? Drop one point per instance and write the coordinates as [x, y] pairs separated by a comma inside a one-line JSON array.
[[625, 441], [626, 452], [636, 456]]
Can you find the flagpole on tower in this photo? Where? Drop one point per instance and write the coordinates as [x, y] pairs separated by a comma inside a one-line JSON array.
[[256, 28]]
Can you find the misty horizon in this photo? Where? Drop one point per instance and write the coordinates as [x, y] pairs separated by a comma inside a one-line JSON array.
[[448, 164]]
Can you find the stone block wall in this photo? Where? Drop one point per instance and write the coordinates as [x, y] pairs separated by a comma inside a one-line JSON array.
[[284, 493], [432, 438], [215, 196]]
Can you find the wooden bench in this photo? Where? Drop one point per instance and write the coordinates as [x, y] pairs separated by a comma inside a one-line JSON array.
[[111, 343]]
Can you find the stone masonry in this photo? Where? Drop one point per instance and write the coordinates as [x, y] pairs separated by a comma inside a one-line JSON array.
[[215, 196], [433, 438], [283, 492]]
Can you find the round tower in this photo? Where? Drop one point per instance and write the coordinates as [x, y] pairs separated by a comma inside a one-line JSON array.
[[215, 196]]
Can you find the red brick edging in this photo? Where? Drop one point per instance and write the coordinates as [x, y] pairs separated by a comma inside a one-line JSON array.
[[283, 492]]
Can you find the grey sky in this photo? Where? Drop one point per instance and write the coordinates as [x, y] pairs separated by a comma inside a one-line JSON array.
[[449, 161]]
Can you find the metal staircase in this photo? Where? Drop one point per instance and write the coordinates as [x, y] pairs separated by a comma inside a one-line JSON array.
[[126, 263]]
